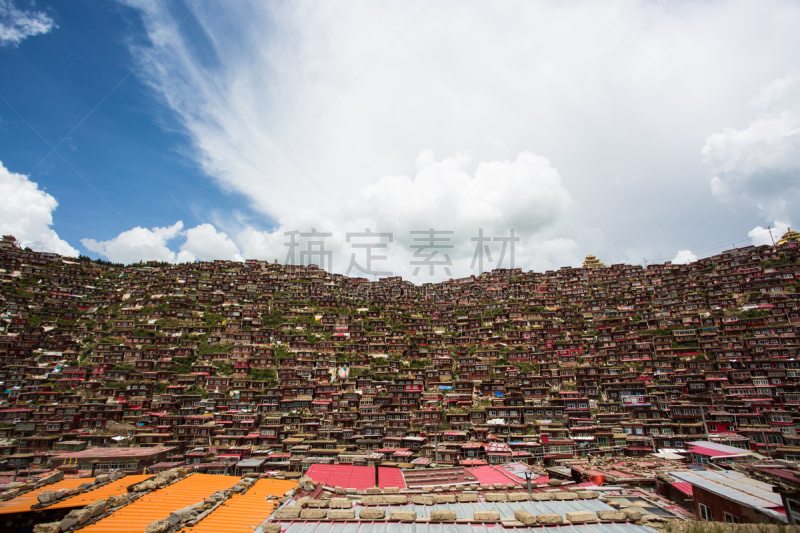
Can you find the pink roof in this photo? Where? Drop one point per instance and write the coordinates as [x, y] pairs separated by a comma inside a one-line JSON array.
[[356, 477], [711, 453], [492, 474], [683, 486]]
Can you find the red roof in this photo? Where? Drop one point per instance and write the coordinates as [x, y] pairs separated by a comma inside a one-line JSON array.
[[494, 474], [356, 477], [711, 453], [683, 486]]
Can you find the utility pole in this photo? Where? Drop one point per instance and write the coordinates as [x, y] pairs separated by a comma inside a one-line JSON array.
[[770, 236]]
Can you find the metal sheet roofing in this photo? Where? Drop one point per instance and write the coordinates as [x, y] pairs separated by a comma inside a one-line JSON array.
[[494, 474], [683, 486], [23, 503], [397, 527], [732, 485], [356, 477], [158, 504], [242, 513], [115, 488], [506, 509]]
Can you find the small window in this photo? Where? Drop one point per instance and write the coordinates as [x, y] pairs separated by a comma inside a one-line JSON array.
[[705, 512], [729, 518]]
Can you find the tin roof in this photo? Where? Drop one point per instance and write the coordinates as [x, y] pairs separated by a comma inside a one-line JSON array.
[[356, 477], [733, 486], [494, 474], [506, 509], [396, 527], [242, 513], [23, 503], [115, 488], [135, 517]]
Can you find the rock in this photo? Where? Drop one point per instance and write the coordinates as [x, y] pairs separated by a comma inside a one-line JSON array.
[[421, 499], [587, 494], [525, 517], [287, 513], [48, 496], [486, 516], [51, 527], [403, 516], [484, 486], [518, 496], [159, 526], [467, 497], [313, 514], [444, 498], [116, 501], [565, 496], [443, 516], [496, 497], [554, 482], [340, 503], [372, 500], [390, 489], [317, 504], [498, 486], [581, 516], [372, 514], [634, 515], [542, 496], [653, 518], [373, 490], [97, 508], [67, 523], [342, 514], [549, 519], [80, 515], [396, 499], [52, 478], [102, 478], [616, 516], [270, 527], [338, 490]]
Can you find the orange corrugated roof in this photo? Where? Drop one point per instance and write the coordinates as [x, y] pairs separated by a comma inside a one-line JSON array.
[[244, 512], [160, 503], [23, 503], [115, 488]]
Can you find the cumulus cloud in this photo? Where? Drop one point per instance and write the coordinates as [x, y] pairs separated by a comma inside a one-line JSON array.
[[761, 236], [19, 24], [138, 244], [760, 163], [524, 195], [26, 212], [204, 242], [684, 257], [335, 101]]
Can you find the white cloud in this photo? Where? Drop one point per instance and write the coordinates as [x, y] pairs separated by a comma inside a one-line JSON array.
[[204, 242], [684, 257], [525, 194], [26, 212], [760, 164], [18, 24], [138, 244], [761, 236], [353, 103]]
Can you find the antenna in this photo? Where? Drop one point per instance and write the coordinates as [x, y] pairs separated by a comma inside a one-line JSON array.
[[770, 236]]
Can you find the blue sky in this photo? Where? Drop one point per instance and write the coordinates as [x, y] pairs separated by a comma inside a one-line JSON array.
[[635, 131], [126, 144]]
